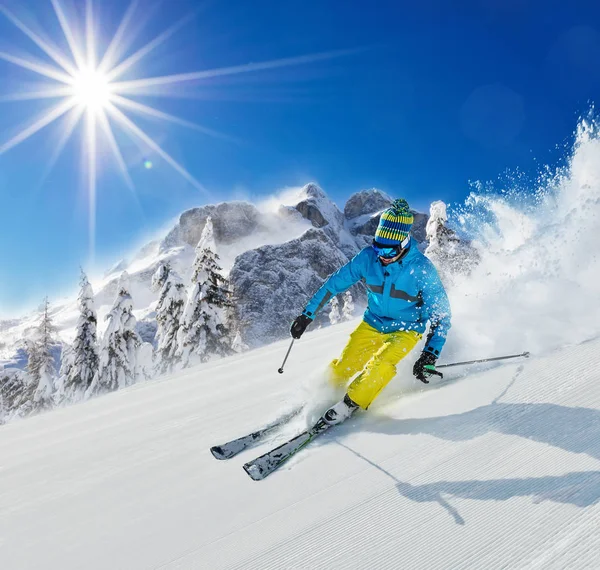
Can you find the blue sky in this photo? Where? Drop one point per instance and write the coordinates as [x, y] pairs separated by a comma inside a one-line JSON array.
[[431, 98]]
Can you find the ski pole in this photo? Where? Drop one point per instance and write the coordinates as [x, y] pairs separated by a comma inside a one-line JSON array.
[[286, 356], [524, 354]]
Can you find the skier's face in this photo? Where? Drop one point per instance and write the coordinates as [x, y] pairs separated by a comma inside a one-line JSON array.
[[388, 260], [385, 251], [388, 254]]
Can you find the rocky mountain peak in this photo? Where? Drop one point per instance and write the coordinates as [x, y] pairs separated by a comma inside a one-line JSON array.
[[232, 221], [370, 201], [318, 208]]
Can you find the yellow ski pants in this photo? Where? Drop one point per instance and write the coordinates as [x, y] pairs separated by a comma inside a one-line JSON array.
[[374, 354]]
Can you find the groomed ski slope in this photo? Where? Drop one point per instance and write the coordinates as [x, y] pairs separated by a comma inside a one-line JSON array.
[[495, 469]]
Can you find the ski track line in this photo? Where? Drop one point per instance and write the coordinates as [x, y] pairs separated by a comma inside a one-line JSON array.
[[336, 536], [326, 522], [127, 447], [503, 528], [45, 445], [384, 484], [324, 491], [555, 548]]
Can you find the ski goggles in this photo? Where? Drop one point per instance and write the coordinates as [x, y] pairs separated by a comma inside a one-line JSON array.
[[387, 251]]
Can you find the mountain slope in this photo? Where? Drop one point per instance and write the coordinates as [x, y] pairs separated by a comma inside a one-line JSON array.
[[262, 244], [499, 468]]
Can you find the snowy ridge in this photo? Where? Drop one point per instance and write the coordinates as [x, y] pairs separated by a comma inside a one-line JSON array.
[[498, 469], [239, 227]]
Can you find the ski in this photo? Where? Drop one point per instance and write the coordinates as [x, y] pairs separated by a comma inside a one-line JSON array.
[[264, 465], [235, 446]]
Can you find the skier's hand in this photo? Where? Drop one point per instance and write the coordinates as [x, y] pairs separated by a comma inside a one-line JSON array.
[[299, 326], [425, 367]]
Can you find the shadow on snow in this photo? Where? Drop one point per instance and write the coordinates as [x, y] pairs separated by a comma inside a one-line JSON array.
[[572, 429]]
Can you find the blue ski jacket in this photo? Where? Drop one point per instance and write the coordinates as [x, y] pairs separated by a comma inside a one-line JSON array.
[[402, 296]]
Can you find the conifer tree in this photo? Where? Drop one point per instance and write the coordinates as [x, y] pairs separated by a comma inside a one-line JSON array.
[[118, 364], [348, 308], [169, 312], [16, 394], [238, 345], [80, 361], [203, 332], [66, 363], [40, 364], [449, 253], [334, 313]]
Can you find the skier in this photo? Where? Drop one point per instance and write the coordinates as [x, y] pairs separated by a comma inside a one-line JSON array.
[[404, 292]]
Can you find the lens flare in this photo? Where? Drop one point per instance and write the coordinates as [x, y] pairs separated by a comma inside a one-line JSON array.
[[92, 92]]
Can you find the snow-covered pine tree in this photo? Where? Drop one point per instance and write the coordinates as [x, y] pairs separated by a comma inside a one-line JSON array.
[[169, 312], [145, 362], [203, 332], [16, 394], [80, 361], [450, 254], [40, 364], [66, 363], [238, 345], [334, 313], [118, 364], [348, 307]]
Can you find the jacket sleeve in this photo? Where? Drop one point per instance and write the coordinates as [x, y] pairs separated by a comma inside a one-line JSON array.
[[337, 282], [437, 309]]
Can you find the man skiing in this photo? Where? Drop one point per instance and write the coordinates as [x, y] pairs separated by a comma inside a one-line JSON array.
[[404, 293]]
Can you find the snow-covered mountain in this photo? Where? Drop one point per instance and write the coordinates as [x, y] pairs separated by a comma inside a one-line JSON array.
[[276, 253]]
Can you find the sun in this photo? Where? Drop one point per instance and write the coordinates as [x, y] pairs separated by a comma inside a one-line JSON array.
[[91, 89]]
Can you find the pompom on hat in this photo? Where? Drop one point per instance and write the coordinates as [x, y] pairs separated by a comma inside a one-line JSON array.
[[394, 224]]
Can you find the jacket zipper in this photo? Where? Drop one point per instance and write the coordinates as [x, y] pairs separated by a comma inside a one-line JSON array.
[[387, 286]]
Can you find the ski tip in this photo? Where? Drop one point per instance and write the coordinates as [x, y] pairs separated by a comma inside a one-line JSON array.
[[218, 452], [254, 472]]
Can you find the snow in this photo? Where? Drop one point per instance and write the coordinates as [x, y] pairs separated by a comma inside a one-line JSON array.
[[537, 281], [496, 466], [499, 468]]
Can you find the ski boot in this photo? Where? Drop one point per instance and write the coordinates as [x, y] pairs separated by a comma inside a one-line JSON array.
[[340, 412]]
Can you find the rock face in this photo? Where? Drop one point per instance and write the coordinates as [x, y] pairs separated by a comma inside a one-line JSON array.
[[319, 209], [418, 230], [366, 202], [232, 221], [272, 284], [323, 213], [361, 214]]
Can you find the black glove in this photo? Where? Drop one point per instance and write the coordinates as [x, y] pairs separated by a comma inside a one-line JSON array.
[[425, 366], [299, 326]]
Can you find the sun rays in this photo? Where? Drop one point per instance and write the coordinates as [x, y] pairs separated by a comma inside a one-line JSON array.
[[89, 91]]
